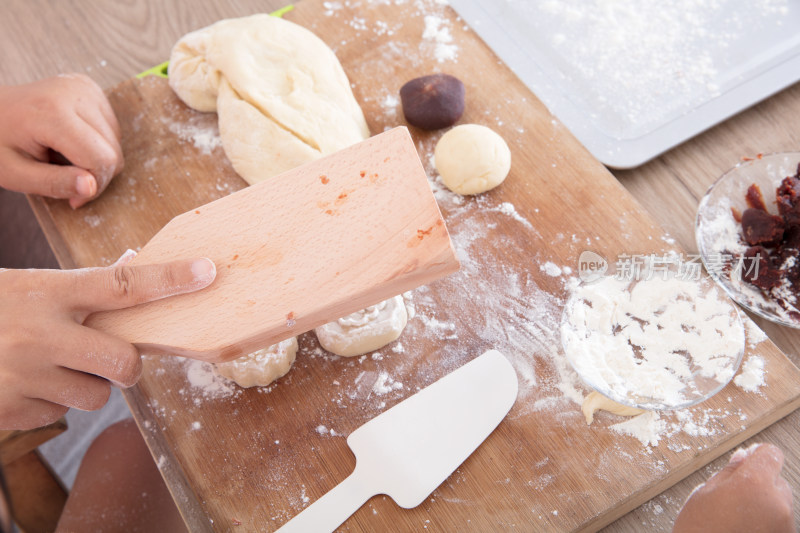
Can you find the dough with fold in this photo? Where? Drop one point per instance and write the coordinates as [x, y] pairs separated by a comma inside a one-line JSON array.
[[281, 94], [366, 330], [595, 401], [261, 367]]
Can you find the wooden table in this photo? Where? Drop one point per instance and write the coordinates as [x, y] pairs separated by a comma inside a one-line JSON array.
[[109, 41]]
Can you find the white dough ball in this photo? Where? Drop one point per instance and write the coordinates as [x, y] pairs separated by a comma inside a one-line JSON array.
[[366, 330], [472, 159], [262, 367]]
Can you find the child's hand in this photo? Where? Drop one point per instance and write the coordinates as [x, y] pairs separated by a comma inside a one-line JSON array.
[[50, 361], [66, 120], [747, 496]]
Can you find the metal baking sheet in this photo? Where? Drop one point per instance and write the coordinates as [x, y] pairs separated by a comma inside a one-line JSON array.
[[633, 78]]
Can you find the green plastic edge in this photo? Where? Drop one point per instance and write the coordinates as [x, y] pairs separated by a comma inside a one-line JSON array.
[[161, 70]]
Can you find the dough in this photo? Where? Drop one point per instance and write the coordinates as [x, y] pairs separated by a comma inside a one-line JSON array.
[[366, 330], [282, 97], [597, 402], [472, 159], [262, 367]]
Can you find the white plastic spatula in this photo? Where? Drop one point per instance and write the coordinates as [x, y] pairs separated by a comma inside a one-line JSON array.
[[409, 450]]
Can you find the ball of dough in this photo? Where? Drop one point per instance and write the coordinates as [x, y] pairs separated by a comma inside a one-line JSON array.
[[472, 159], [366, 330], [282, 96], [262, 367]]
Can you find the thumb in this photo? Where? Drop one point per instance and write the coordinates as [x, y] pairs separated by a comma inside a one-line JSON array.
[[763, 459], [116, 287], [55, 181], [760, 459]]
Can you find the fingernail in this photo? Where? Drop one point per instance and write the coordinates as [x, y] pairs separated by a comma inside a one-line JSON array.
[[742, 453], [125, 258], [86, 185], [204, 270]]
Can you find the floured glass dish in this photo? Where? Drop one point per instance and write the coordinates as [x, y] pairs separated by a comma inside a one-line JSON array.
[[658, 341]]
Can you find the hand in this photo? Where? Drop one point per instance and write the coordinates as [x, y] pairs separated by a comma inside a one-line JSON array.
[[64, 119], [746, 496], [50, 361]]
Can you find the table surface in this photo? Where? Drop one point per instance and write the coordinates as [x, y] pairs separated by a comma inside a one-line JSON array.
[[111, 40]]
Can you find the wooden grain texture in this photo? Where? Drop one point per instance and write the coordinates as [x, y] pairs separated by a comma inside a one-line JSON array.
[[293, 252], [142, 35], [259, 471], [14, 443]]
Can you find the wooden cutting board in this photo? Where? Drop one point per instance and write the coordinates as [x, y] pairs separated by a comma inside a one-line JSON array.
[[248, 460]]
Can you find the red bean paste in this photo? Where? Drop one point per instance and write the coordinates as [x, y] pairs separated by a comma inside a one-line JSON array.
[[772, 259]]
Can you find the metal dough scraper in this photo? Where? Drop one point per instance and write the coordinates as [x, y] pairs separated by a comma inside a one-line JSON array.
[[295, 251], [410, 449]]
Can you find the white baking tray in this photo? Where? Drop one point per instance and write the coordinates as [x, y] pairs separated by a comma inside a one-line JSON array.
[[633, 78]]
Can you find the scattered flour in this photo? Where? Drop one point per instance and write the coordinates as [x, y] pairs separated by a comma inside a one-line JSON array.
[[323, 430], [551, 269], [437, 31], [93, 220], [751, 376], [385, 384], [524, 323], [203, 377], [198, 130], [639, 62], [755, 335], [508, 209]]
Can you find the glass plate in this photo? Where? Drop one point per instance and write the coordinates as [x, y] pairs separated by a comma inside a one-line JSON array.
[[687, 375], [718, 234]]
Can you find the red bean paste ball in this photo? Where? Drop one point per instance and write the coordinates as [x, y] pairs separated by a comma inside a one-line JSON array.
[[433, 102]]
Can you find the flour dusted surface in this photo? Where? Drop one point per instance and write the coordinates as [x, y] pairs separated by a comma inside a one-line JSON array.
[[525, 302], [658, 341]]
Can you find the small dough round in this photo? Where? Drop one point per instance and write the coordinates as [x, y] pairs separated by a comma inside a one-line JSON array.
[[261, 367], [595, 401], [472, 159], [366, 330]]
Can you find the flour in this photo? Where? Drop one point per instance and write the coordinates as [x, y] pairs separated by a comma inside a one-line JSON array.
[[652, 427], [550, 268], [385, 384], [751, 377], [508, 209], [647, 427], [437, 31], [204, 378], [640, 62], [521, 319], [325, 431], [198, 130], [646, 343], [755, 335], [93, 220]]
